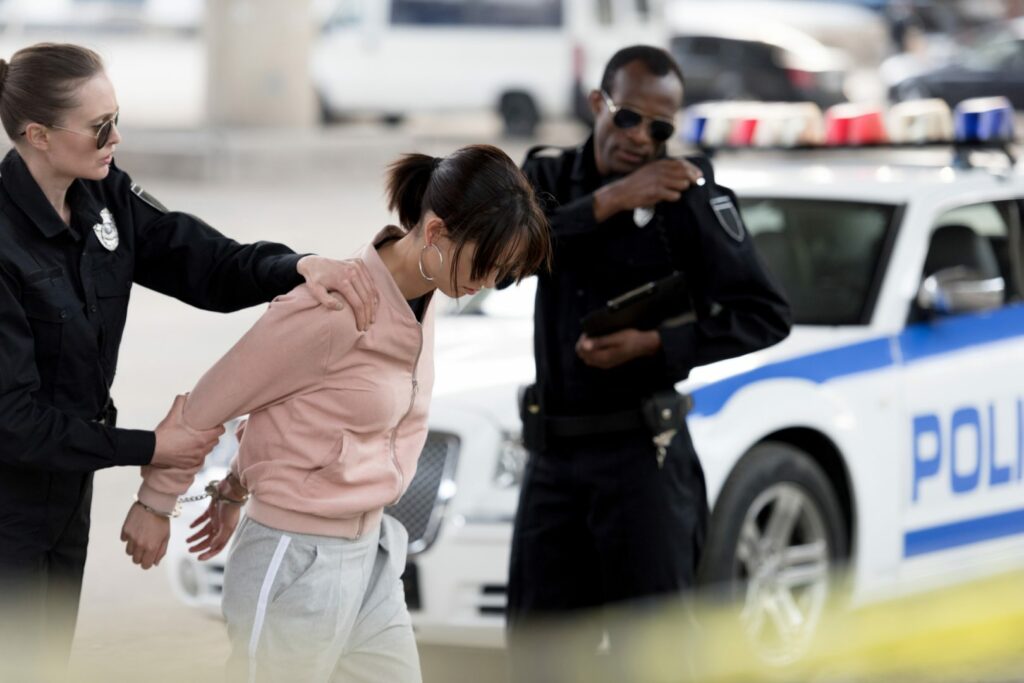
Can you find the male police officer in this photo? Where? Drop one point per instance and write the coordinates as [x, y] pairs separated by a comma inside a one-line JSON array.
[[604, 515]]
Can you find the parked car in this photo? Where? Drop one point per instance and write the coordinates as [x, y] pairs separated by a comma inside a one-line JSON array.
[[754, 61], [525, 60], [993, 65], [880, 436]]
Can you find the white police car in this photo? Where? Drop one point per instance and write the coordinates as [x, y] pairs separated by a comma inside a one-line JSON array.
[[886, 433]]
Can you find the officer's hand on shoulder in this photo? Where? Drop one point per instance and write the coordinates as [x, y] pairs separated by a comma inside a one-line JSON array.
[[350, 279], [663, 180]]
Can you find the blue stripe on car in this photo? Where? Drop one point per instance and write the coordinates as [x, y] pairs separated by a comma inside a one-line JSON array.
[[918, 342]]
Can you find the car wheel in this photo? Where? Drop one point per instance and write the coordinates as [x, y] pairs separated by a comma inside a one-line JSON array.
[[519, 114], [777, 537], [327, 115]]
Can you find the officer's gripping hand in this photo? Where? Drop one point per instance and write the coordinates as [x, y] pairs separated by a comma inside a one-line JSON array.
[[221, 519], [145, 535], [663, 180], [617, 348], [335, 283], [178, 445]]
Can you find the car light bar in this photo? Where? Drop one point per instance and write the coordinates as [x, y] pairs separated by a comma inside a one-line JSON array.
[[980, 122]]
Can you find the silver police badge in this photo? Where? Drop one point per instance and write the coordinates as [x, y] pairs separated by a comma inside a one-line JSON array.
[[106, 231]]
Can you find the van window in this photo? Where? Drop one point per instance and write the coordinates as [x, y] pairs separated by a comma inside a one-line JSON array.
[[346, 13], [506, 13]]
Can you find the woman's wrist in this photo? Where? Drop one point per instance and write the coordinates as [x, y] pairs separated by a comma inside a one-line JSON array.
[[234, 488]]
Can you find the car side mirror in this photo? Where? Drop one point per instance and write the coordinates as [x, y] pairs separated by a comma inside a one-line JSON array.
[[960, 290]]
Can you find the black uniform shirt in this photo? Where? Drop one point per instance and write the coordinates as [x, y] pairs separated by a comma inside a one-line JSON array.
[[64, 298], [738, 307]]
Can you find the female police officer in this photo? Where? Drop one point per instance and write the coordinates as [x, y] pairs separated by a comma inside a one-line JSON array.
[[75, 234]]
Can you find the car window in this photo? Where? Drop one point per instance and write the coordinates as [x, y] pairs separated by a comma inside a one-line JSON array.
[[996, 226], [992, 56], [826, 255], [505, 13], [697, 46]]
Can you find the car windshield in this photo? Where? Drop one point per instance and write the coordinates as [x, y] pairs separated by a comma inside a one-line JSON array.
[[993, 54], [825, 254]]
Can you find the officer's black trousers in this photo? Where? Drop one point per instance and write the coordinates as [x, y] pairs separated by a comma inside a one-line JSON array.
[[44, 531], [599, 524]]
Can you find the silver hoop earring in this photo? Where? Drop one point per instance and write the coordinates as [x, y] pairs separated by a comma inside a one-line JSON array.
[[440, 256]]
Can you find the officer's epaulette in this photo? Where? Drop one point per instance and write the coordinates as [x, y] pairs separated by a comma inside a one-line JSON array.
[[148, 198], [552, 151]]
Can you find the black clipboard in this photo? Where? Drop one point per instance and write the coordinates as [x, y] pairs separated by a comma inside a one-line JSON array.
[[643, 308]]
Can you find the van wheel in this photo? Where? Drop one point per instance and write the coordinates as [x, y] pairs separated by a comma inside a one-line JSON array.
[[519, 113], [777, 537]]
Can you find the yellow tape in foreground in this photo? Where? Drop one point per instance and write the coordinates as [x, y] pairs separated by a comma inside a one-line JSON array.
[[971, 632]]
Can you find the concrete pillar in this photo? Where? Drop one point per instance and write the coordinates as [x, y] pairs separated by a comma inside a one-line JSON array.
[[258, 63]]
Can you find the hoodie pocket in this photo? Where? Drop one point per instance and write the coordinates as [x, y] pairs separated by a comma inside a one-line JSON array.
[[335, 459]]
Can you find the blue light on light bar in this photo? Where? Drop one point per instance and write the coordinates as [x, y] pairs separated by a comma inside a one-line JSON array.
[[983, 119], [693, 129]]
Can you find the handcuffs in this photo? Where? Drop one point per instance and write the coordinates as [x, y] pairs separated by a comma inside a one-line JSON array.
[[211, 491]]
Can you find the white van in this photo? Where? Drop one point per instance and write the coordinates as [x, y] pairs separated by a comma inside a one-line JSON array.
[[527, 60]]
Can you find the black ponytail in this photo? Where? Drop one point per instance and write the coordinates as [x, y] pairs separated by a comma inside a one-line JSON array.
[[408, 180]]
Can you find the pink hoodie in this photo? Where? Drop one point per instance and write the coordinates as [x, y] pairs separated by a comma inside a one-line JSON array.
[[337, 417]]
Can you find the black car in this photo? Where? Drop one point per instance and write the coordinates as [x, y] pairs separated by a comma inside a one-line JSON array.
[[731, 68], [994, 65]]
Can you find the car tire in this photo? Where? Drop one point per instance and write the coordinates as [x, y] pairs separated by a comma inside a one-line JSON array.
[[519, 114], [326, 114], [777, 537]]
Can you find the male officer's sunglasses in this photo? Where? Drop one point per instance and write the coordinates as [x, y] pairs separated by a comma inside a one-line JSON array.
[[102, 133], [659, 129]]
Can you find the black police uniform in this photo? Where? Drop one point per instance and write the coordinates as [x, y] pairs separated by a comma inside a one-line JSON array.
[[598, 520], [64, 293]]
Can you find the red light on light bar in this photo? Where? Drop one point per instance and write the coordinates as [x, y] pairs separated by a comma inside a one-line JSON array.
[[847, 124]]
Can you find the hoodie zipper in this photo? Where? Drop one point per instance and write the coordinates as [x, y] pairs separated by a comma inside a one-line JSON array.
[[412, 403]]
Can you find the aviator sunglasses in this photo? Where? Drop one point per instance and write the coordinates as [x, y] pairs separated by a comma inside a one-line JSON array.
[[102, 133], [660, 130]]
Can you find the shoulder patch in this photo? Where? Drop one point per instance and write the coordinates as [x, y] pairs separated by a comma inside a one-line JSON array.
[[728, 217], [148, 198]]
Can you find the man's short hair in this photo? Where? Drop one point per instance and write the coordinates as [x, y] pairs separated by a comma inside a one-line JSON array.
[[657, 61]]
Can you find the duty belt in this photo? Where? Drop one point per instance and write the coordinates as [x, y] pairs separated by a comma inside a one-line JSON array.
[[588, 425]]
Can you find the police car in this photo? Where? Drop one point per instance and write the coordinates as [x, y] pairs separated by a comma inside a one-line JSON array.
[[885, 435]]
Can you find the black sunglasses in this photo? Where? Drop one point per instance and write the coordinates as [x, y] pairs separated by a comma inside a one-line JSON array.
[[659, 129], [102, 134]]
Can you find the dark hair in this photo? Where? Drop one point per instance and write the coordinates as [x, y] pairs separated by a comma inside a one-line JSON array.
[[38, 84], [657, 61], [483, 198]]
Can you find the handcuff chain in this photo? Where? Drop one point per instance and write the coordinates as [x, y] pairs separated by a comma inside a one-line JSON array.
[[211, 491]]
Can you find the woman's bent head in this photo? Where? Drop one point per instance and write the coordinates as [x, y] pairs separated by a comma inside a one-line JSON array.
[[57, 103], [476, 215]]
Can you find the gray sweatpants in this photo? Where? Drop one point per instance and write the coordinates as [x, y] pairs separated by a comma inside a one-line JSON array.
[[304, 608]]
